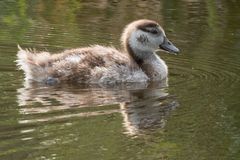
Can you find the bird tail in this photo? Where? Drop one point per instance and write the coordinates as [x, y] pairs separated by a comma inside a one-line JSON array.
[[35, 65]]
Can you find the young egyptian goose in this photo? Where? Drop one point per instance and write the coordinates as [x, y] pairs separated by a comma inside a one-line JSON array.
[[138, 61]]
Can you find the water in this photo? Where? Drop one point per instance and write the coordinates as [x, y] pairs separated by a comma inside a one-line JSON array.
[[195, 116]]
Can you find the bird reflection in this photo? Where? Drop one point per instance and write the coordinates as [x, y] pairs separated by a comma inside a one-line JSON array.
[[143, 106]]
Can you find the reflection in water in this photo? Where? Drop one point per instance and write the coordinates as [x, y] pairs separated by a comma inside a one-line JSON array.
[[142, 106]]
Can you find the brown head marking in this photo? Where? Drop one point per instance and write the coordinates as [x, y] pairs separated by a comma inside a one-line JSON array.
[[147, 23]]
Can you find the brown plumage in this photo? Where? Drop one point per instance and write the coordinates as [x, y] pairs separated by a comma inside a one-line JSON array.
[[98, 64]]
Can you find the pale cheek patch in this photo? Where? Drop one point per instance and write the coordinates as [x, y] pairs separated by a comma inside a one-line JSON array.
[[155, 42], [136, 41]]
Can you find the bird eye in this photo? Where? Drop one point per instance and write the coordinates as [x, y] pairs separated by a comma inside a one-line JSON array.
[[153, 31]]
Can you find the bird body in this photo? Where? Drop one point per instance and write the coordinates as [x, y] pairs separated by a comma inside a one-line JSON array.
[[137, 62]]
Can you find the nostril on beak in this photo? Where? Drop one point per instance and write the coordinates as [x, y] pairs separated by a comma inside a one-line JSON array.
[[169, 43]]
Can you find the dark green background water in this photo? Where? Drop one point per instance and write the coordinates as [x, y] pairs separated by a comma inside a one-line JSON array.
[[196, 117]]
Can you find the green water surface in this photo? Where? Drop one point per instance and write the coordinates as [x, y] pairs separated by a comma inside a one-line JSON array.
[[196, 116]]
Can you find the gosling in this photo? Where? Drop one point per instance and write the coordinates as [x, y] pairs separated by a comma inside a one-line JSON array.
[[136, 62]]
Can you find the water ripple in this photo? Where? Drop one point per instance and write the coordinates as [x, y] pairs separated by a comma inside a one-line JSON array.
[[218, 73]]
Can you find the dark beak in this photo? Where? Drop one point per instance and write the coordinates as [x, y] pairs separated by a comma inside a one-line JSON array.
[[168, 46]]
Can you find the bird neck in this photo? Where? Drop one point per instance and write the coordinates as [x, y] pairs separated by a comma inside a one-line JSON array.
[[151, 64], [135, 54]]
